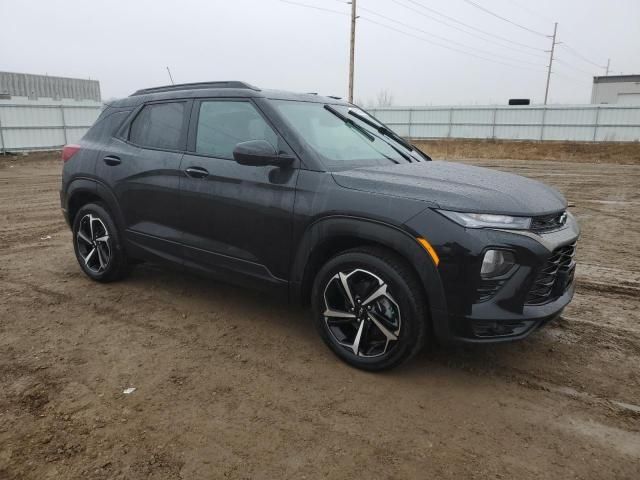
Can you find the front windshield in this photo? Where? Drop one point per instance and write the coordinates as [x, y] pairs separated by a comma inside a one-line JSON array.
[[340, 145]]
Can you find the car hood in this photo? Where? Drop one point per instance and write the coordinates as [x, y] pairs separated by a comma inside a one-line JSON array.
[[458, 187]]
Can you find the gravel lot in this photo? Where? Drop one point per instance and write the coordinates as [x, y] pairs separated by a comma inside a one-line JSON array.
[[232, 384]]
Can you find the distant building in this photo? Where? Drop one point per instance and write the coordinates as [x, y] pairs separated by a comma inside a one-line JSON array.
[[27, 88], [39, 112], [616, 90]]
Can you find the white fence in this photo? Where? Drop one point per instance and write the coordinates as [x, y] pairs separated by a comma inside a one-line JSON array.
[[583, 123], [26, 126], [41, 126]]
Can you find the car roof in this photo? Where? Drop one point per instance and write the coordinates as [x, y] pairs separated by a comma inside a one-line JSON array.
[[231, 89]]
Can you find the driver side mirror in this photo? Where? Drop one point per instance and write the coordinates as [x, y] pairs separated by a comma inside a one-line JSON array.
[[259, 153]]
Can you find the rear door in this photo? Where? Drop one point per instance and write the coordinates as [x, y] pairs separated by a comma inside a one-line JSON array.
[[237, 219], [142, 169]]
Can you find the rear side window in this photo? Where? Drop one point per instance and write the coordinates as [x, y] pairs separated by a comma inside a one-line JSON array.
[[107, 125], [222, 124], [159, 125]]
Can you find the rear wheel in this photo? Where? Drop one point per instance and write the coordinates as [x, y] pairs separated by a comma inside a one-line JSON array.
[[369, 308], [97, 244]]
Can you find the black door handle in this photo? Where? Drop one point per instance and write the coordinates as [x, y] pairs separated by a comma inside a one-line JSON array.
[[196, 172], [112, 160]]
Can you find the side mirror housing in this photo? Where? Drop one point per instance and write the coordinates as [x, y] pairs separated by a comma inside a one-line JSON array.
[[259, 153]]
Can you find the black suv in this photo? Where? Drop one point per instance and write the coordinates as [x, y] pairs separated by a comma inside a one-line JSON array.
[[312, 198]]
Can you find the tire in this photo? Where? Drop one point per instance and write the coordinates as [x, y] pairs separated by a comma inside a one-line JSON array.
[[384, 302], [97, 244]]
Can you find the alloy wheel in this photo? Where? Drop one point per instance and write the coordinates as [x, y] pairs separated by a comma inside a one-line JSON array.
[[94, 245], [361, 314]]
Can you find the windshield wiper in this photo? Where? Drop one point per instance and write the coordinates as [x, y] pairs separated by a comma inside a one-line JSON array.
[[350, 122], [383, 130], [396, 149], [363, 131]]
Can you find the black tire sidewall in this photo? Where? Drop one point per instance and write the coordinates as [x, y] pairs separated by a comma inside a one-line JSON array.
[[117, 255], [412, 318]]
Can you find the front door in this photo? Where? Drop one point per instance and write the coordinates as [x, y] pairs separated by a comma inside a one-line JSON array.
[[237, 219]]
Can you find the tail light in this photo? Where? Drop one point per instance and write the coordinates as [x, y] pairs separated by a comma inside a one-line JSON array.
[[69, 151]]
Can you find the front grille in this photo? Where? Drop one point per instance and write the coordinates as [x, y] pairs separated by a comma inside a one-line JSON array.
[[489, 329], [554, 277], [545, 223]]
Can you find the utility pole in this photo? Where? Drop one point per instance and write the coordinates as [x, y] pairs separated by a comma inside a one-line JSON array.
[[170, 77], [352, 49], [553, 46], [608, 64]]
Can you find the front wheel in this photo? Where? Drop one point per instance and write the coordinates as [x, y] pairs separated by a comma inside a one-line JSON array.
[[369, 308]]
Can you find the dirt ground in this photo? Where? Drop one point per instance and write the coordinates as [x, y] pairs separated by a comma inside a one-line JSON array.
[[232, 384], [606, 152]]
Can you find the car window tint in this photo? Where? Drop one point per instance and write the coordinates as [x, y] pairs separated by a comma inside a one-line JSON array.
[[224, 124], [159, 125], [106, 125]]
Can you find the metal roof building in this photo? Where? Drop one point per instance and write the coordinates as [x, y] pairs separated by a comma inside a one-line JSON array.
[[24, 86], [39, 112], [616, 89]]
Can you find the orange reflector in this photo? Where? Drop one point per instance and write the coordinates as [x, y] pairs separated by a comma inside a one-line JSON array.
[[430, 250]]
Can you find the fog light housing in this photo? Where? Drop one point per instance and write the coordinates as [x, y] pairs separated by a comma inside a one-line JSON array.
[[496, 263]]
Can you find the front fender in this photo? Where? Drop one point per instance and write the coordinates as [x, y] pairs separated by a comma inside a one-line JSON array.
[[325, 229]]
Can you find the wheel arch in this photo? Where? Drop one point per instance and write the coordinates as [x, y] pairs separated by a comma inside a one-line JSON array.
[[330, 235], [79, 192], [83, 190]]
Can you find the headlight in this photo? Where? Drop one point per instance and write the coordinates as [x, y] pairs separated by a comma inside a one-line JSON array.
[[487, 220], [496, 263]]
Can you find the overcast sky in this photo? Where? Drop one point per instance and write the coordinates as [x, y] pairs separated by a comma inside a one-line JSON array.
[[128, 44]]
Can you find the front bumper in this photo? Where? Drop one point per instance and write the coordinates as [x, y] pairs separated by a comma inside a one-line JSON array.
[[490, 324], [506, 313]]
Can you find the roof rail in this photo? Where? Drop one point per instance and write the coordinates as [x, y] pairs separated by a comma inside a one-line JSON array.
[[194, 86]]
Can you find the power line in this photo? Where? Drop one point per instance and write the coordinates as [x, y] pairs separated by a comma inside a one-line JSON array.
[[389, 27], [486, 10], [452, 19], [483, 31], [445, 39], [562, 62], [314, 7], [577, 54], [530, 10], [444, 46], [582, 57]]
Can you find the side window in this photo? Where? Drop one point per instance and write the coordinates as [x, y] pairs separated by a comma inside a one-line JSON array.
[[158, 125], [223, 124], [106, 126]]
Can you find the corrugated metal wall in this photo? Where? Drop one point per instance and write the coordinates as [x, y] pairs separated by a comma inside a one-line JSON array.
[[46, 126], [584, 123], [37, 86], [41, 126]]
